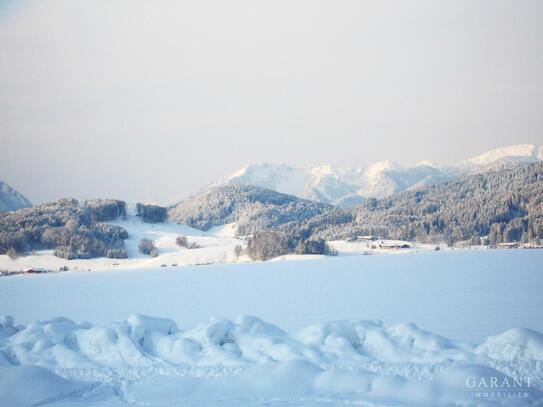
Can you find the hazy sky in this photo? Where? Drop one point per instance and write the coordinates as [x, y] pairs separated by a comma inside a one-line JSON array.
[[152, 99]]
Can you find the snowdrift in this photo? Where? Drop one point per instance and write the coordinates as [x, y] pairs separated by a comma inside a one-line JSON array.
[[243, 362], [32, 385]]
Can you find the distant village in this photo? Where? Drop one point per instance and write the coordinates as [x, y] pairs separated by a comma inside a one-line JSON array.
[[376, 242]]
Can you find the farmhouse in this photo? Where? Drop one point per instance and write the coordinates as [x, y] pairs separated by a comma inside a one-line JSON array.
[[512, 245]]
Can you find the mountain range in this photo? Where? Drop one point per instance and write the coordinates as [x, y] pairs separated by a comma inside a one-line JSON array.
[[345, 187], [502, 205]]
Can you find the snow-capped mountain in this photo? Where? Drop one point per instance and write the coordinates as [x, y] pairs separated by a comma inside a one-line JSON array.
[[336, 185], [512, 154], [10, 199], [349, 186]]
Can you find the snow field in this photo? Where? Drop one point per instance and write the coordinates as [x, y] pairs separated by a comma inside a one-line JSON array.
[[325, 345]]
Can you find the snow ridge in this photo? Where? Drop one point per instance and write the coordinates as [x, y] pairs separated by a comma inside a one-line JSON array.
[[360, 361]]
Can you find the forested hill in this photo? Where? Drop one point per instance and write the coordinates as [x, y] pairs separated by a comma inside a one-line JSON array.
[[71, 229], [253, 208], [506, 205]]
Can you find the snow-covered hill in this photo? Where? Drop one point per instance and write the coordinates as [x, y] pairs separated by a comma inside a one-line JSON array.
[[349, 186], [251, 206], [211, 248], [10, 199]]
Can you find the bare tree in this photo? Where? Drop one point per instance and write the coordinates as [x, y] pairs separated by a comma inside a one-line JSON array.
[[182, 241]]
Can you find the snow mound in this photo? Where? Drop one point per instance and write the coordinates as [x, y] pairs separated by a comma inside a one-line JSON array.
[[248, 361], [513, 344], [142, 340], [344, 341]]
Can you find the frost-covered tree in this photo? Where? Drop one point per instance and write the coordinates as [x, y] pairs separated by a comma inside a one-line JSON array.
[[102, 210], [116, 254], [151, 213], [146, 246], [182, 241], [266, 245], [64, 226]]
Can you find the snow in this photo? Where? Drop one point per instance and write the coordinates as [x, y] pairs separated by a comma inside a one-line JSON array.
[[514, 344], [380, 167], [519, 152], [278, 177], [150, 360], [334, 184], [23, 386], [381, 246], [227, 230], [327, 183], [215, 246], [462, 294], [329, 331], [320, 171], [426, 163]]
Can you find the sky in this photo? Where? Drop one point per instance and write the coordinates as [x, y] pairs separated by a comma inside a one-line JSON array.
[[150, 100]]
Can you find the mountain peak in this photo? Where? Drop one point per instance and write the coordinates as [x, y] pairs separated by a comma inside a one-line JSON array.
[[261, 168], [425, 163], [323, 170], [10, 199], [515, 153], [382, 166]]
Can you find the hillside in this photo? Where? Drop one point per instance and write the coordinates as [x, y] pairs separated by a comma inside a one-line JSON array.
[[208, 248], [11, 200], [506, 205], [502, 205], [252, 208]]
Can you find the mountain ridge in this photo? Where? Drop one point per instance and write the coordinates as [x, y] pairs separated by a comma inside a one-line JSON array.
[[345, 186]]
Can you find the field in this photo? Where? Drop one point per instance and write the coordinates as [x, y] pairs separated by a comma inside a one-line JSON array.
[[367, 329]]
